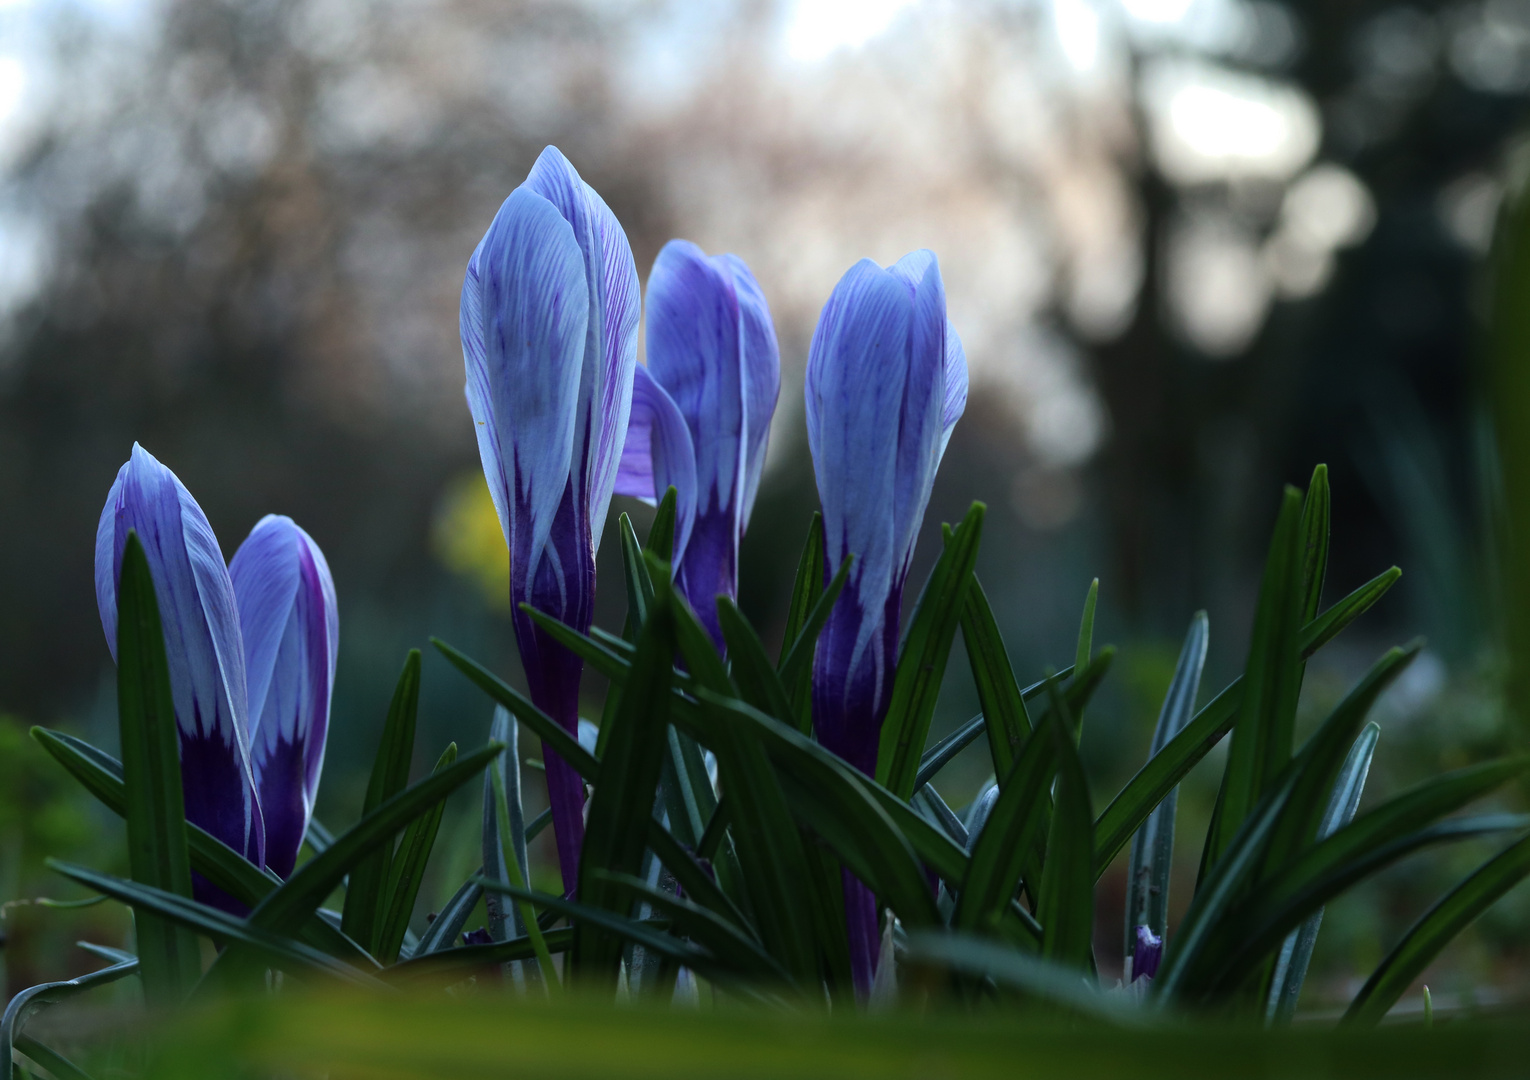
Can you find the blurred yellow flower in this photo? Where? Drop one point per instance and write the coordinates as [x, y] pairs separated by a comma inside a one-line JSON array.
[[468, 540]]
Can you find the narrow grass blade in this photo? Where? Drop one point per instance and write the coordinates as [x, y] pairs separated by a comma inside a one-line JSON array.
[[1257, 930], [687, 790], [1152, 858], [538, 823], [35, 998], [1003, 716], [317, 837], [772, 860], [1327, 626], [61, 1067], [639, 584], [225, 868], [940, 755], [1376, 838], [408, 871], [365, 896], [1086, 627], [1029, 974], [661, 533], [633, 930], [752, 671], [626, 784], [515, 874], [835, 804], [151, 769], [797, 664], [1323, 756], [609, 658], [1166, 769], [938, 813], [279, 950], [922, 657], [1004, 844], [543, 726], [731, 944], [1296, 953], [698, 884], [1218, 893], [449, 921], [1262, 734], [451, 965], [807, 589], [1316, 515], [1065, 902], [1431, 934], [502, 921], [301, 894]]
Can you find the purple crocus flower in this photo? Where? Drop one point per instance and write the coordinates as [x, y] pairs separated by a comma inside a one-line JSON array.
[[701, 413], [203, 646], [549, 323], [1148, 954], [291, 629], [886, 382]]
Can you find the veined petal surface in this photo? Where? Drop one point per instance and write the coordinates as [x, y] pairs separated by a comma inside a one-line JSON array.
[[524, 314], [659, 453], [694, 353], [610, 353], [203, 643], [291, 626], [856, 376], [762, 378], [549, 337]]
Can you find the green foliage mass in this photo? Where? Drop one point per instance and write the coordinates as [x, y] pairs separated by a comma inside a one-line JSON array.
[[727, 893]]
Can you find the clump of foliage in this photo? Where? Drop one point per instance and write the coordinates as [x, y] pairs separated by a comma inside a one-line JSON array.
[[718, 828]]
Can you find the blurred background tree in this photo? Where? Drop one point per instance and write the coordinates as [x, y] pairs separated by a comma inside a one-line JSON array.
[[1193, 247]]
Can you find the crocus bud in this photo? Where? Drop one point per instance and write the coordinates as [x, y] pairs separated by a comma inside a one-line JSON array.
[[549, 322], [1147, 955], [203, 646], [291, 628], [886, 382], [701, 413]]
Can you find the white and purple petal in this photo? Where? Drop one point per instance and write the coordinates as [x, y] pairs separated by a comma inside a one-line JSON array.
[[549, 336], [919, 429], [694, 353], [856, 373], [525, 311], [955, 388], [203, 643], [762, 378], [658, 454], [290, 621]]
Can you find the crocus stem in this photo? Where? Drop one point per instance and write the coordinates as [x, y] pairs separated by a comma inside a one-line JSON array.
[[861, 928], [565, 791]]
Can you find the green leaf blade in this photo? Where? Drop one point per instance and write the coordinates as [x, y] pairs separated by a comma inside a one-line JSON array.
[[151, 769]]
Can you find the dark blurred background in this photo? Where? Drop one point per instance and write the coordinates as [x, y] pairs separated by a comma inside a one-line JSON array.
[[1194, 247]]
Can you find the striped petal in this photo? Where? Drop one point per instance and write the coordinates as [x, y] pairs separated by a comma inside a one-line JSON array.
[[920, 439], [659, 453], [694, 353], [291, 625], [762, 378], [524, 318], [856, 373], [610, 354], [203, 643], [955, 388]]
